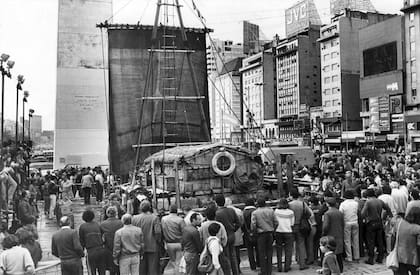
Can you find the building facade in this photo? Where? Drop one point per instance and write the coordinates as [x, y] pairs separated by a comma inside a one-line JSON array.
[[259, 108], [411, 11], [338, 6], [382, 59], [340, 72], [227, 104], [298, 84]]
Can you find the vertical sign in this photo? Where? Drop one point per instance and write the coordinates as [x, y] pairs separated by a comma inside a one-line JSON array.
[[384, 123], [396, 104], [374, 115]]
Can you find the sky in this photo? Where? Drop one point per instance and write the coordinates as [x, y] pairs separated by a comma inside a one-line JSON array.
[[28, 33]]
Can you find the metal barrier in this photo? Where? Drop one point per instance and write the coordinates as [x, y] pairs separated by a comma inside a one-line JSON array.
[[48, 268]]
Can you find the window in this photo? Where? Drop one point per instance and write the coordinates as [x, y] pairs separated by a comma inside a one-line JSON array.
[[335, 78], [335, 90], [413, 66], [328, 103], [326, 57], [365, 105], [412, 33], [334, 42], [413, 50], [414, 92], [336, 114], [334, 66], [334, 54], [327, 80], [336, 102], [413, 79], [411, 16], [380, 59], [327, 91], [327, 114], [326, 68]]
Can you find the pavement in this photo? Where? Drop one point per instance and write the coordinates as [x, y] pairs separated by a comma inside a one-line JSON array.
[[46, 229]]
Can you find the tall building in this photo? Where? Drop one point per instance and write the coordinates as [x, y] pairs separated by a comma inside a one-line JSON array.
[[36, 128], [338, 6], [81, 131], [218, 53], [340, 72], [227, 104], [411, 11], [298, 84], [259, 97], [382, 58], [251, 38]]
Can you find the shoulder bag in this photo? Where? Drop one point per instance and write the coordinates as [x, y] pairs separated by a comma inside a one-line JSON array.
[[206, 262], [392, 258], [305, 226]]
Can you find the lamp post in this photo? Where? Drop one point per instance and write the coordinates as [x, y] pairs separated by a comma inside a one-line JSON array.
[[4, 72], [25, 96], [31, 111], [20, 79]]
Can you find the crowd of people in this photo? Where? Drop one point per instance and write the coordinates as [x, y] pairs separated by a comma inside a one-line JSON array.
[[360, 209]]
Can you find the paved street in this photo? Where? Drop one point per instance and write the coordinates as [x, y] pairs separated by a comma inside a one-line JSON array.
[[47, 227]]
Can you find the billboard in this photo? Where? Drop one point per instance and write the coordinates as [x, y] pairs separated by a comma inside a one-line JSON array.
[[374, 115], [135, 105], [396, 104], [251, 37], [300, 16], [384, 113]]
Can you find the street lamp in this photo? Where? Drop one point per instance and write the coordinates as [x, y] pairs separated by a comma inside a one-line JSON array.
[[25, 96], [5, 71], [21, 80], [31, 111]]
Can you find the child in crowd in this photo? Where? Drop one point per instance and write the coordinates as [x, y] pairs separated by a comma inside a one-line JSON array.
[[329, 264]]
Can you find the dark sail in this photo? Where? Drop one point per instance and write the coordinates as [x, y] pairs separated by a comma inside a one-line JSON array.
[[135, 81]]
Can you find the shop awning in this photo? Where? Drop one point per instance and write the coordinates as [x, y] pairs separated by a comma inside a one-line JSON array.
[[412, 118], [332, 140]]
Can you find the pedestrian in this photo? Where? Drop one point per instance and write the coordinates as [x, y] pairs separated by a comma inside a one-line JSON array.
[[87, 183], [330, 264], [15, 259], [46, 198], [407, 234], [239, 241], [152, 232], [172, 227], [91, 239], [333, 225], [415, 202], [67, 185], [27, 241], [350, 209], [230, 221], [114, 200], [192, 244], [214, 248], [210, 213], [284, 235], [25, 209], [316, 210], [264, 224], [400, 198], [372, 213], [108, 229], [99, 181], [65, 245], [53, 190], [250, 239], [128, 247], [301, 210]]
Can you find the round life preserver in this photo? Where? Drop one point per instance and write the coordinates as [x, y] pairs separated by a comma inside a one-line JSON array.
[[217, 170]]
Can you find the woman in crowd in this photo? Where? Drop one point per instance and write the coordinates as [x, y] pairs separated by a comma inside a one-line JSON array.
[[15, 259], [284, 234], [67, 185]]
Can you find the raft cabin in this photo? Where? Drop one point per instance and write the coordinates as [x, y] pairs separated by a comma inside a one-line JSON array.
[[199, 172]]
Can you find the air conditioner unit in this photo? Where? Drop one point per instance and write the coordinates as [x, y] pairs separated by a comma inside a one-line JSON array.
[[414, 97]]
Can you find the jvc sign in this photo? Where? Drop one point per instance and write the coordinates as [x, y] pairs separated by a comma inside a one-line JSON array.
[[300, 15]]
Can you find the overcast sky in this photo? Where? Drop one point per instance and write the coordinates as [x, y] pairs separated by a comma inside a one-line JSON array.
[[28, 32]]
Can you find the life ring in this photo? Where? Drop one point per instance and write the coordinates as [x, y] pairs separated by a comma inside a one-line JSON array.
[[228, 171]]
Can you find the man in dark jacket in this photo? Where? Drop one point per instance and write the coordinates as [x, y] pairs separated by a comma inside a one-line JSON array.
[[66, 246], [25, 209], [372, 213], [191, 244], [108, 229], [333, 225], [250, 240], [230, 221]]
